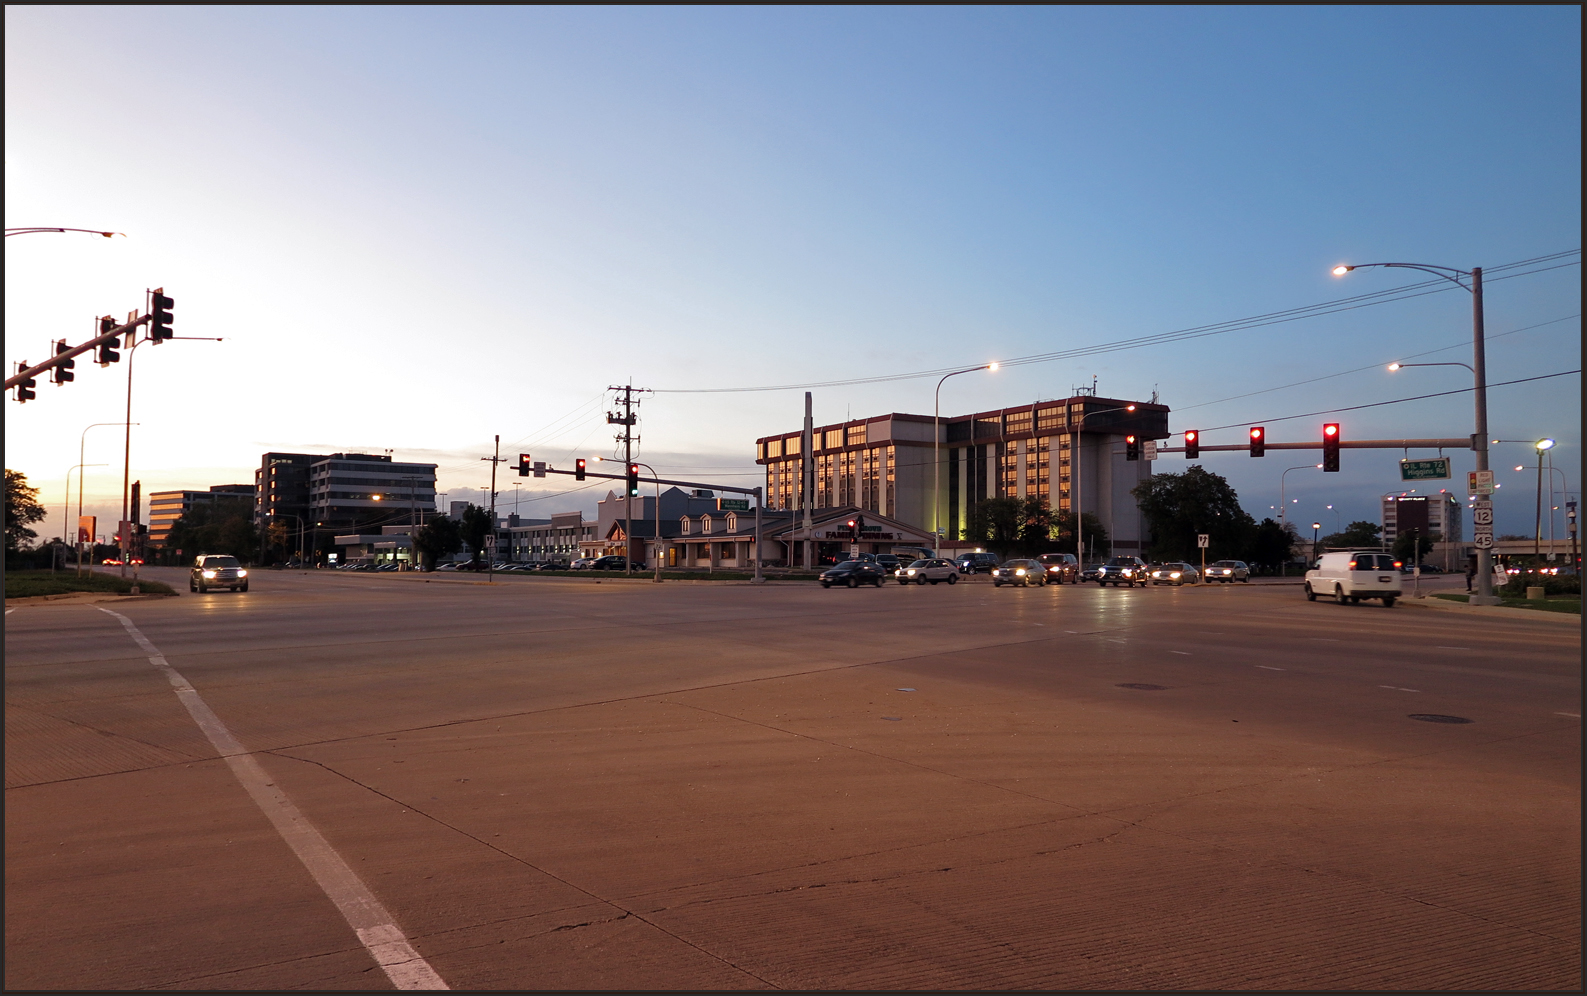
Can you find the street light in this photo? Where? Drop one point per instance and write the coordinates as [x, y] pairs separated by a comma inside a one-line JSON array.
[[1283, 505], [657, 478], [1479, 372], [1315, 528], [66, 509], [82, 443], [1075, 504], [936, 451], [1543, 446]]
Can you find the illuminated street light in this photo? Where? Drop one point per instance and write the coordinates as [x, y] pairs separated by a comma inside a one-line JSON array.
[[936, 453], [1479, 375]]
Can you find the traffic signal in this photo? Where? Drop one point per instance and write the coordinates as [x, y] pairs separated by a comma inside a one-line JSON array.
[[1192, 444], [854, 530], [1258, 441], [1132, 447], [523, 465], [107, 350], [633, 479], [1330, 447], [25, 388], [578, 469], [160, 322], [63, 369]]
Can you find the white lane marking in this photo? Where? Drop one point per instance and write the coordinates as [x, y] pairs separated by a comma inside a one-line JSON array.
[[1451, 648], [9, 611], [1572, 715], [1185, 653], [370, 920], [1115, 641], [1397, 688], [1266, 668], [1324, 639]]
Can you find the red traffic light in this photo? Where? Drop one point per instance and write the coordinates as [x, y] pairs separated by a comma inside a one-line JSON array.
[[1331, 429], [1330, 462], [1192, 444], [1258, 441]]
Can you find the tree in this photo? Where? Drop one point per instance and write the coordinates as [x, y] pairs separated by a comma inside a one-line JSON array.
[[1271, 544], [1063, 528], [22, 509], [475, 526], [996, 522], [1406, 553], [1358, 534], [1177, 507], [439, 537], [220, 528]]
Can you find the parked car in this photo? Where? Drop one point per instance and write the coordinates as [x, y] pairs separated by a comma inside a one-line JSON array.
[[582, 564], [1175, 572], [1225, 571], [1021, 572], [1123, 570], [473, 565], [216, 571], [932, 569], [1350, 577], [853, 573], [977, 563], [1060, 567], [889, 562], [554, 565], [613, 562]]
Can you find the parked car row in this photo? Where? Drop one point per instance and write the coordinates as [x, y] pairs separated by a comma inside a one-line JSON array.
[[1049, 568]]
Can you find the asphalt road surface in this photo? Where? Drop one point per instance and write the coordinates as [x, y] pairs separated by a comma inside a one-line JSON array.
[[371, 781]]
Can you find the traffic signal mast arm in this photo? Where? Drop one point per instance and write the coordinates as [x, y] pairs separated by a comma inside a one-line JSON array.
[[1459, 443], [94, 343], [659, 480]]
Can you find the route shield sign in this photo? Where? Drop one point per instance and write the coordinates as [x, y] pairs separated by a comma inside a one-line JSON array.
[[1479, 482], [1436, 469], [1482, 524]]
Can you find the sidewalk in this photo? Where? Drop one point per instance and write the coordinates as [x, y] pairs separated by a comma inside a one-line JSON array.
[[1444, 605]]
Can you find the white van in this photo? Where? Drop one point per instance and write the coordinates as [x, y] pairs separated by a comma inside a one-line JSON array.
[[1350, 577]]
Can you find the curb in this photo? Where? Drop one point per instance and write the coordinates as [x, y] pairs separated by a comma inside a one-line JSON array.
[[1445, 605]]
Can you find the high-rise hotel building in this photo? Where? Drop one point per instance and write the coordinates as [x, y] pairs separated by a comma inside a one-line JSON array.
[[884, 463]]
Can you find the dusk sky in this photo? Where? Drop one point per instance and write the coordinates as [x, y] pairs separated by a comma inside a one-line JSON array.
[[416, 228]]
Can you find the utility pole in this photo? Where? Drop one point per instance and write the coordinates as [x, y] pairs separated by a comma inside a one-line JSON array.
[[626, 420], [807, 478], [493, 460]]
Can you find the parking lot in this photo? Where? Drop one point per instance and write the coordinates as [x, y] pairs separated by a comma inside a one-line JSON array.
[[599, 782]]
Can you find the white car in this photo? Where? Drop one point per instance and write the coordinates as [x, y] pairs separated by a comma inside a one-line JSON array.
[[582, 564], [1350, 577], [931, 569], [1226, 571]]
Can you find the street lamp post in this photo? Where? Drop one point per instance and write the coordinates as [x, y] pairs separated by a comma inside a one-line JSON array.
[[1283, 504], [1075, 504], [936, 452], [657, 538], [66, 507], [1315, 528], [1479, 371], [1543, 446]]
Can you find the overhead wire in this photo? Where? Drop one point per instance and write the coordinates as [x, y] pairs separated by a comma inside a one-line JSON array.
[[1404, 292]]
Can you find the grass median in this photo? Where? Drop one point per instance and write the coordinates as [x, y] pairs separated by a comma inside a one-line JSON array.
[[28, 584], [1568, 603]]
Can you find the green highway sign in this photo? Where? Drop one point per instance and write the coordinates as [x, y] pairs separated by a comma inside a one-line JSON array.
[[732, 504], [1436, 469]]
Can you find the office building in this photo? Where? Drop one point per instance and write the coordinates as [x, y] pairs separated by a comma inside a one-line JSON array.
[[165, 507], [1430, 515], [366, 491]]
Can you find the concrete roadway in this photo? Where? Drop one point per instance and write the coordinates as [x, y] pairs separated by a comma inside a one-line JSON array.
[[563, 783]]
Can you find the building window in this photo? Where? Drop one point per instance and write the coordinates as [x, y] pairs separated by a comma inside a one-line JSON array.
[[705, 525], [683, 525], [792, 445], [833, 440], [856, 434], [1016, 422], [732, 523], [892, 481], [1049, 418], [773, 449]]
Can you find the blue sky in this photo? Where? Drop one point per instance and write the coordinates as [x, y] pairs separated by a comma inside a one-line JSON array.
[[420, 227]]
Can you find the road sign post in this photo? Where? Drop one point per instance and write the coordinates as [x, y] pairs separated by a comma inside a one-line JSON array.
[[1479, 482], [1482, 523], [1202, 541]]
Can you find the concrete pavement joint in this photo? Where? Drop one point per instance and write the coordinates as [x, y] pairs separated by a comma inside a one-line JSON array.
[[370, 920], [620, 908]]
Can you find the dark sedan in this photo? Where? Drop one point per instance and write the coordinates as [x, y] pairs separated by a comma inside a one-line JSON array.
[[854, 573]]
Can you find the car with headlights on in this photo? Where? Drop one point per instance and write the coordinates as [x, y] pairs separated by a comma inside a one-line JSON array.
[[932, 569], [1175, 572], [1060, 567], [977, 563], [853, 573], [216, 571], [1225, 571], [1123, 570], [1021, 572]]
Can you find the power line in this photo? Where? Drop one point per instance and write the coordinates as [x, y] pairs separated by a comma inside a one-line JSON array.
[[1405, 292], [1379, 404]]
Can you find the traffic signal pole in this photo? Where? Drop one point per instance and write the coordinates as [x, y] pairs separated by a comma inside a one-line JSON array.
[[94, 343]]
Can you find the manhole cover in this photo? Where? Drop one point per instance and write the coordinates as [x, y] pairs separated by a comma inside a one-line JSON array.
[[1433, 717], [1139, 687]]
